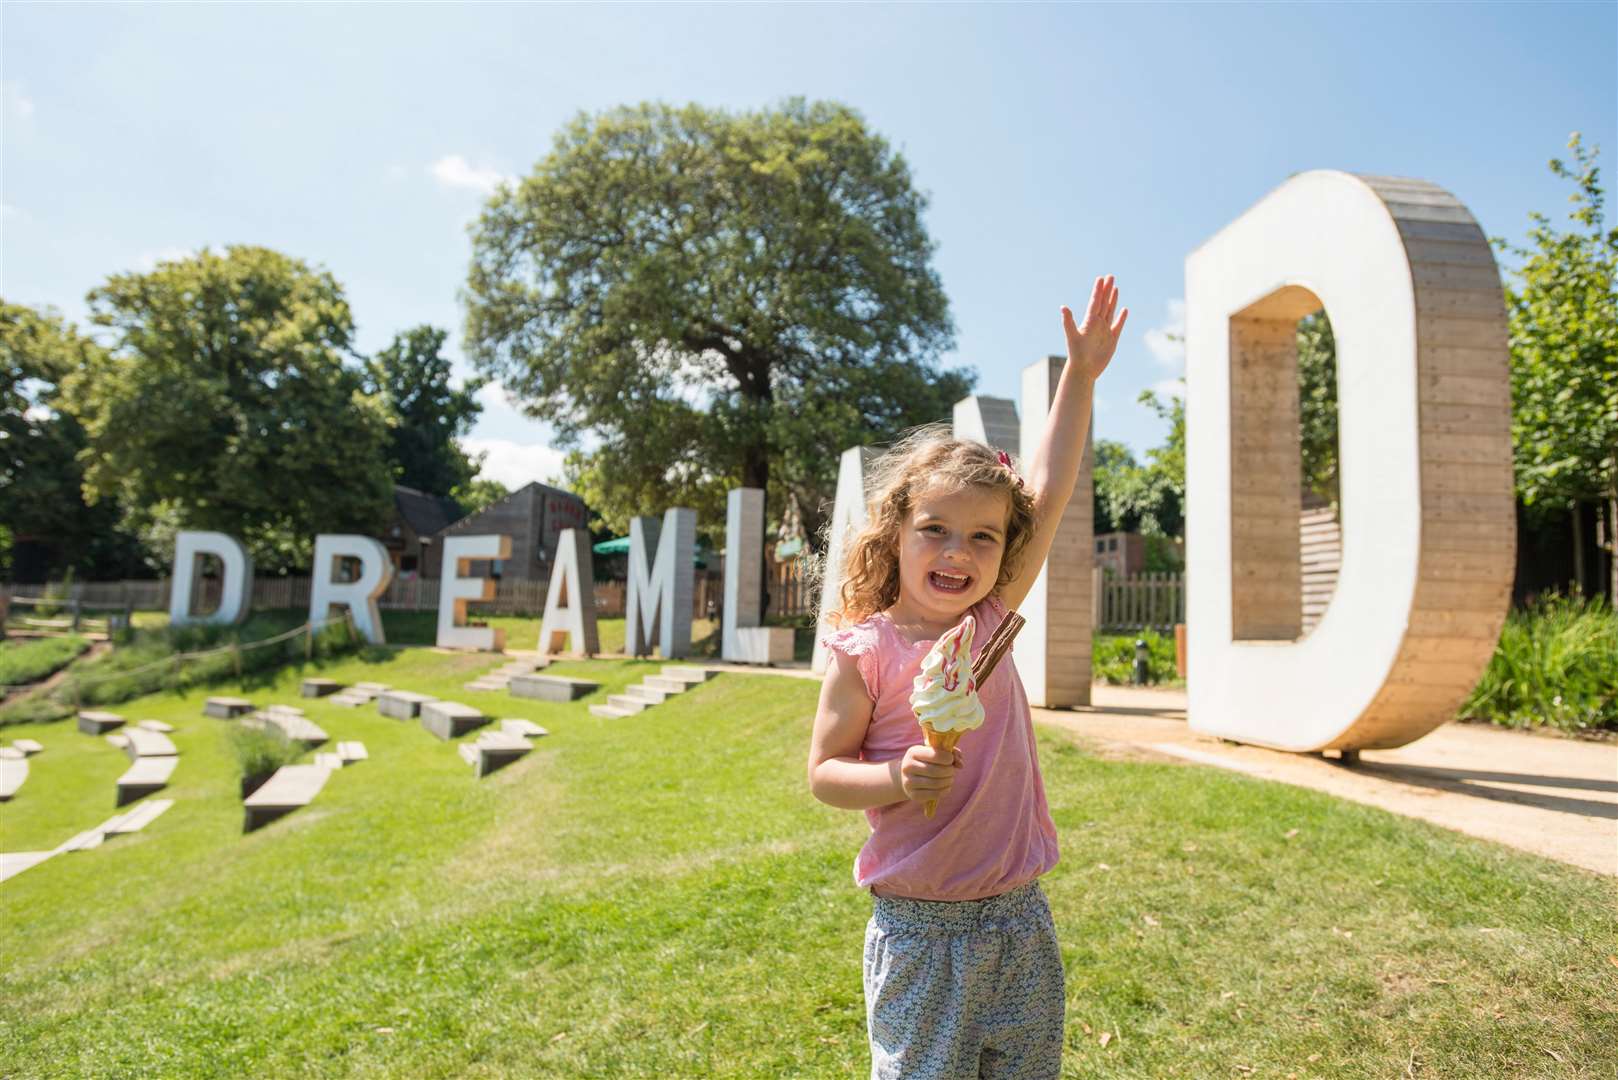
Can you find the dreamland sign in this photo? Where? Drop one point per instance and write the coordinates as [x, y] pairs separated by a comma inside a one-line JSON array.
[[1426, 489]]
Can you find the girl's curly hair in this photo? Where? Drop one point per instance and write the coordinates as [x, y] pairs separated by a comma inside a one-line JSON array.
[[926, 458]]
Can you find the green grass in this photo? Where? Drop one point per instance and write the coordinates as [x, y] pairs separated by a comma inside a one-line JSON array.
[[28, 660], [660, 896]]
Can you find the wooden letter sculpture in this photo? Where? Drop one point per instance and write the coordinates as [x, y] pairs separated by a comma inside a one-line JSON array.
[[1415, 302]]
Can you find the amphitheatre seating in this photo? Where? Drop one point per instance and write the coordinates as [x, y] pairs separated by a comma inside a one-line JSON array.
[[131, 821], [326, 759], [319, 687], [99, 723], [551, 687], [402, 704], [139, 743], [351, 752], [13, 771], [11, 753], [493, 750], [525, 728], [157, 725], [13, 863], [226, 708], [373, 688], [118, 739], [450, 719], [500, 678], [289, 788], [653, 690], [292, 726], [28, 746], [146, 775]]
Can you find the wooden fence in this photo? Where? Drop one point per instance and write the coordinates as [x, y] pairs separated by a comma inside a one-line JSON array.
[[1145, 601], [789, 594]]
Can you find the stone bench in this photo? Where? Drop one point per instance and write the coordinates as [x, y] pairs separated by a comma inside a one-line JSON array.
[[12, 753], [551, 687], [319, 687], [130, 821], [13, 771], [28, 746], [372, 688], [291, 787], [351, 752], [99, 723], [146, 775], [140, 743], [524, 728], [226, 708], [402, 704], [493, 750], [294, 727], [157, 725], [451, 719]]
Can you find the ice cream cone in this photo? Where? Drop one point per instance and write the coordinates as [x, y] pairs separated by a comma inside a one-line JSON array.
[[938, 740]]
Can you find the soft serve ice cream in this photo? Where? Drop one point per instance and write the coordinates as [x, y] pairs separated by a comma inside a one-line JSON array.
[[944, 693]]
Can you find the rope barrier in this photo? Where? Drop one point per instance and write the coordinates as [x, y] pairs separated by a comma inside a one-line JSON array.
[[177, 658]]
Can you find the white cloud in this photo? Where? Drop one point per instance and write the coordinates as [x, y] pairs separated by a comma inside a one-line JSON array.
[[1169, 388], [454, 171], [16, 102], [1167, 342], [396, 173], [494, 399], [149, 260], [515, 464]]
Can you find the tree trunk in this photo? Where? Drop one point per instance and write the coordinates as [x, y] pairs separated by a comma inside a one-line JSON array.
[[1612, 548], [1578, 550]]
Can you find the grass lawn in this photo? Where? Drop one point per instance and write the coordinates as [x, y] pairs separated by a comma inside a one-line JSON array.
[[659, 896]]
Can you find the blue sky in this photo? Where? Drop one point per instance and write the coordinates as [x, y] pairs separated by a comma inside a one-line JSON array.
[[1056, 142]]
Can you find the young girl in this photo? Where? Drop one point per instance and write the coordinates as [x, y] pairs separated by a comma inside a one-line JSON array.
[[963, 974]]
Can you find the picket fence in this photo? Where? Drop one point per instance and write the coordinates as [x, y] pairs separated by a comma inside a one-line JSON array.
[[1145, 601]]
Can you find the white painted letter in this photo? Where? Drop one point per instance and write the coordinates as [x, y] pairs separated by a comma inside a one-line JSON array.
[[456, 587], [743, 637], [360, 596], [1424, 447], [570, 604], [847, 517], [236, 585], [667, 584], [988, 420]]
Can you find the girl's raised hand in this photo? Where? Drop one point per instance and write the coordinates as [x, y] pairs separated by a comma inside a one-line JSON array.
[[1090, 347]]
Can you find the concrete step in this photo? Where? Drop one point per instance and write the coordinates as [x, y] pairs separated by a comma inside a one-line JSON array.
[[626, 702], [608, 712], [685, 673], [649, 694], [668, 686]]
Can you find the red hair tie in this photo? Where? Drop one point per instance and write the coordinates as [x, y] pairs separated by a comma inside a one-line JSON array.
[[1005, 459]]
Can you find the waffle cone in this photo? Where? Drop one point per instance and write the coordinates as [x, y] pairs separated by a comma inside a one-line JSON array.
[[938, 740]]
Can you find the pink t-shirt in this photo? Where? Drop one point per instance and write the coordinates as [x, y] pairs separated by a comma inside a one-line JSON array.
[[993, 829]]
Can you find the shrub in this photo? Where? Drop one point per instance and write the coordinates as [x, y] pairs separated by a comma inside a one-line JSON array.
[[28, 660], [35, 710], [1556, 665], [1112, 657], [259, 751]]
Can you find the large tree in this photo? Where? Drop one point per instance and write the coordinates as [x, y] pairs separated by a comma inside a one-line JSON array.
[[43, 515], [428, 413], [712, 298], [1563, 311], [229, 402]]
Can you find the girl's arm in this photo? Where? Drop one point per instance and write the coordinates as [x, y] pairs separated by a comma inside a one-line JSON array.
[[1054, 468], [839, 778]]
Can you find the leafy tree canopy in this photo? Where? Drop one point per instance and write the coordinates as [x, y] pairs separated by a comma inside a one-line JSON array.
[[714, 298], [226, 403], [1563, 310], [479, 494], [428, 414], [43, 515]]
